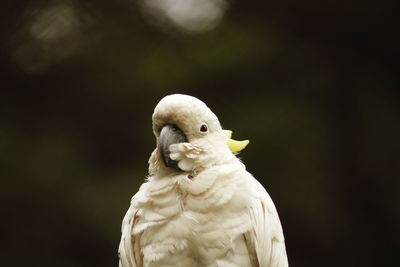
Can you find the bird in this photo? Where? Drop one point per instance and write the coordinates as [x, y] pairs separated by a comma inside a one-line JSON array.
[[199, 206]]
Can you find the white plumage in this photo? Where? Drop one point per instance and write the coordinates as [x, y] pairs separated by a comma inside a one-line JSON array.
[[205, 211]]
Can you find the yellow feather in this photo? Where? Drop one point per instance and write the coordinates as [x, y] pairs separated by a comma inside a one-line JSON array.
[[234, 145]]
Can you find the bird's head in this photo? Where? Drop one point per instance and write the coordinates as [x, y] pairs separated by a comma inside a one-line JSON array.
[[189, 135]]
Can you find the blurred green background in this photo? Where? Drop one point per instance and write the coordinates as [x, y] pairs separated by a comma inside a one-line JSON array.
[[313, 85]]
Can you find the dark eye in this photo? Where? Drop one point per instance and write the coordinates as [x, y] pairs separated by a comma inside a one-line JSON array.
[[203, 128]]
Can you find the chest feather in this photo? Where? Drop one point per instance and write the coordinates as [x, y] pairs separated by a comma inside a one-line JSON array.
[[199, 220]]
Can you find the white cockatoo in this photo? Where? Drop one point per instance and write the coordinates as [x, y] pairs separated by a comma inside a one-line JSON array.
[[199, 205]]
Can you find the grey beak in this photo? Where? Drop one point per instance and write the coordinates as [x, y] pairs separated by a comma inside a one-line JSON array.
[[170, 134]]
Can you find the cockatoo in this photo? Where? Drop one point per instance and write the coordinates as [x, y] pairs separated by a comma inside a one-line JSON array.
[[199, 206]]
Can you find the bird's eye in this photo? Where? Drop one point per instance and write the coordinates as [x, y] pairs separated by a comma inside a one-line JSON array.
[[203, 128]]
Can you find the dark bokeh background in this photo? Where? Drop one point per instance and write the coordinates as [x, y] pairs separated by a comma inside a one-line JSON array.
[[313, 85]]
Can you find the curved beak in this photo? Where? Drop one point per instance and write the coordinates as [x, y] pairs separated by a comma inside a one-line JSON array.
[[170, 134]]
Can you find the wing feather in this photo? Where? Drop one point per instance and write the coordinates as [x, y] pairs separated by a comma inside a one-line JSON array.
[[265, 240], [129, 248]]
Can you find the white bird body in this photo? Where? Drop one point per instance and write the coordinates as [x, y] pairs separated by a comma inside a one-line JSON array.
[[208, 212]]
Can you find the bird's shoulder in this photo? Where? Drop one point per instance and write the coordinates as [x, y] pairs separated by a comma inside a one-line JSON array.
[[265, 240]]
